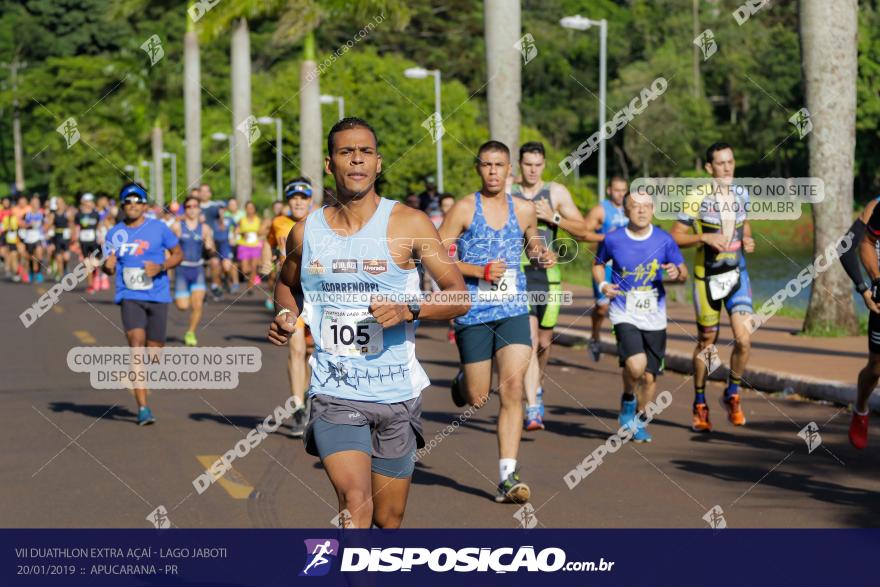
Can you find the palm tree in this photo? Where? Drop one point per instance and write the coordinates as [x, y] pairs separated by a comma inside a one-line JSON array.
[[504, 70], [829, 58], [192, 105], [297, 19]]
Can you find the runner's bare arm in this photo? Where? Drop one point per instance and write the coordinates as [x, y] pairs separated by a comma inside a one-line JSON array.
[[593, 220], [208, 236], [572, 220], [534, 244], [606, 288], [422, 241], [748, 241], [109, 264], [288, 288]]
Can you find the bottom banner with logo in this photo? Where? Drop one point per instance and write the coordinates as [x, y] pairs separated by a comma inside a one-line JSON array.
[[435, 557]]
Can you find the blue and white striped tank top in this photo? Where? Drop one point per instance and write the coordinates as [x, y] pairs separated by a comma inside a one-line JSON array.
[[355, 358], [478, 245]]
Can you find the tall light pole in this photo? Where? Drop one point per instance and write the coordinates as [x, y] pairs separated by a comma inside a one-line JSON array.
[[149, 165], [328, 99], [278, 179], [422, 73], [173, 158], [135, 170], [580, 23], [219, 136]]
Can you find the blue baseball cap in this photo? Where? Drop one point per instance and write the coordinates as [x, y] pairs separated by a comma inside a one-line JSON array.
[[131, 191], [298, 188]]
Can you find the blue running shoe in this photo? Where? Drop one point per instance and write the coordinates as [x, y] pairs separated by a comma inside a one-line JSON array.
[[39, 277], [627, 413], [533, 419], [145, 416], [540, 401], [641, 434]]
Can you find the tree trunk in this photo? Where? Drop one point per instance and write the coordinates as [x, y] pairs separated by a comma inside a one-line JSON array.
[[158, 186], [16, 129], [504, 70], [241, 108], [192, 103], [829, 53], [311, 132]]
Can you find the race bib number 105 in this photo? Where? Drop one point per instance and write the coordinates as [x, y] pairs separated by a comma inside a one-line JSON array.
[[351, 332]]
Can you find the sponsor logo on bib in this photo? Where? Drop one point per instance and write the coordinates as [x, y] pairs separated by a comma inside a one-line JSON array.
[[315, 268], [375, 266], [345, 266]]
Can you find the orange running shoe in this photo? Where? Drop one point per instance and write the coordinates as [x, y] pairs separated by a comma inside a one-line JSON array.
[[701, 421], [734, 411], [858, 430]]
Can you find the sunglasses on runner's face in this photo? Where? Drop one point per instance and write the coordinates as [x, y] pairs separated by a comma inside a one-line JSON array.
[[131, 201]]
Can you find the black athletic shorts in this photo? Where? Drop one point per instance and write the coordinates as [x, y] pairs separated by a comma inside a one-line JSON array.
[[480, 342], [88, 248], [874, 332], [61, 244], [151, 316], [632, 341]]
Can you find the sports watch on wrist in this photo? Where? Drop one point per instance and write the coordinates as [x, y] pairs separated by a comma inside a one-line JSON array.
[[557, 218], [414, 309]]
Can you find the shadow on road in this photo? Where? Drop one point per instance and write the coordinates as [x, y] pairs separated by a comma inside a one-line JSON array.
[[242, 423], [423, 476], [103, 411]]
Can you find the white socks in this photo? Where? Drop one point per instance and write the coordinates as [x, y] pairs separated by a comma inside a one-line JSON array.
[[506, 467]]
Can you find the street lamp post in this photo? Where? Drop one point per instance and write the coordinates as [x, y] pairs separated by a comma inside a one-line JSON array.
[[278, 179], [422, 73], [219, 136], [149, 165], [580, 23], [328, 99], [134, 169], [173, 158]]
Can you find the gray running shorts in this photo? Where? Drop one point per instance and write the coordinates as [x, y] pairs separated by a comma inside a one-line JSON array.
[[389, 433]]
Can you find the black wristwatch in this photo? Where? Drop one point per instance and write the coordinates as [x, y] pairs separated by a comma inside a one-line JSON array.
[[862, 287], [414, 309], [875, 290]]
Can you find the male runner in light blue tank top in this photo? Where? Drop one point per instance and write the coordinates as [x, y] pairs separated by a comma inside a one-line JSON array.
[[196, 237], [606, 217], [497, 325], [366, 382]]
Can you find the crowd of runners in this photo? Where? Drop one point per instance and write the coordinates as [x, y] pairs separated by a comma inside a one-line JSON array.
[[486, 263]]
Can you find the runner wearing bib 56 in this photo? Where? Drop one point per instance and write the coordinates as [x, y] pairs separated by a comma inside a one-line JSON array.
[[497, 325]]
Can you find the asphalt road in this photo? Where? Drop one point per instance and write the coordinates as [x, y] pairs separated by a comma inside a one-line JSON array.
[[75, 458]]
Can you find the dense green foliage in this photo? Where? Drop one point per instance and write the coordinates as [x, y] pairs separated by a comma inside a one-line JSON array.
[[84, 61]]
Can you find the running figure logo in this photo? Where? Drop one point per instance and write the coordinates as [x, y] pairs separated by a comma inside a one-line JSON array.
[[706, 43], [810, 434], [434, 125], [339, 374], [250, 129], [159, 518], [526, 45], [69, 131], [715, 518], [526, 516], [153, 48], [802, 121], [319, 556]]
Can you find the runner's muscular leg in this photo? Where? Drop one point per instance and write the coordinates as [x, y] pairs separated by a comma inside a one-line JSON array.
[[707, 337], [533, 374], [512, 363], [349, 472], [742, 336], [389, 500], [477, 378], [868, 377]]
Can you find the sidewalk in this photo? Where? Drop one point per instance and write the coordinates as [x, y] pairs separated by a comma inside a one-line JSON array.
[[780, 360]]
